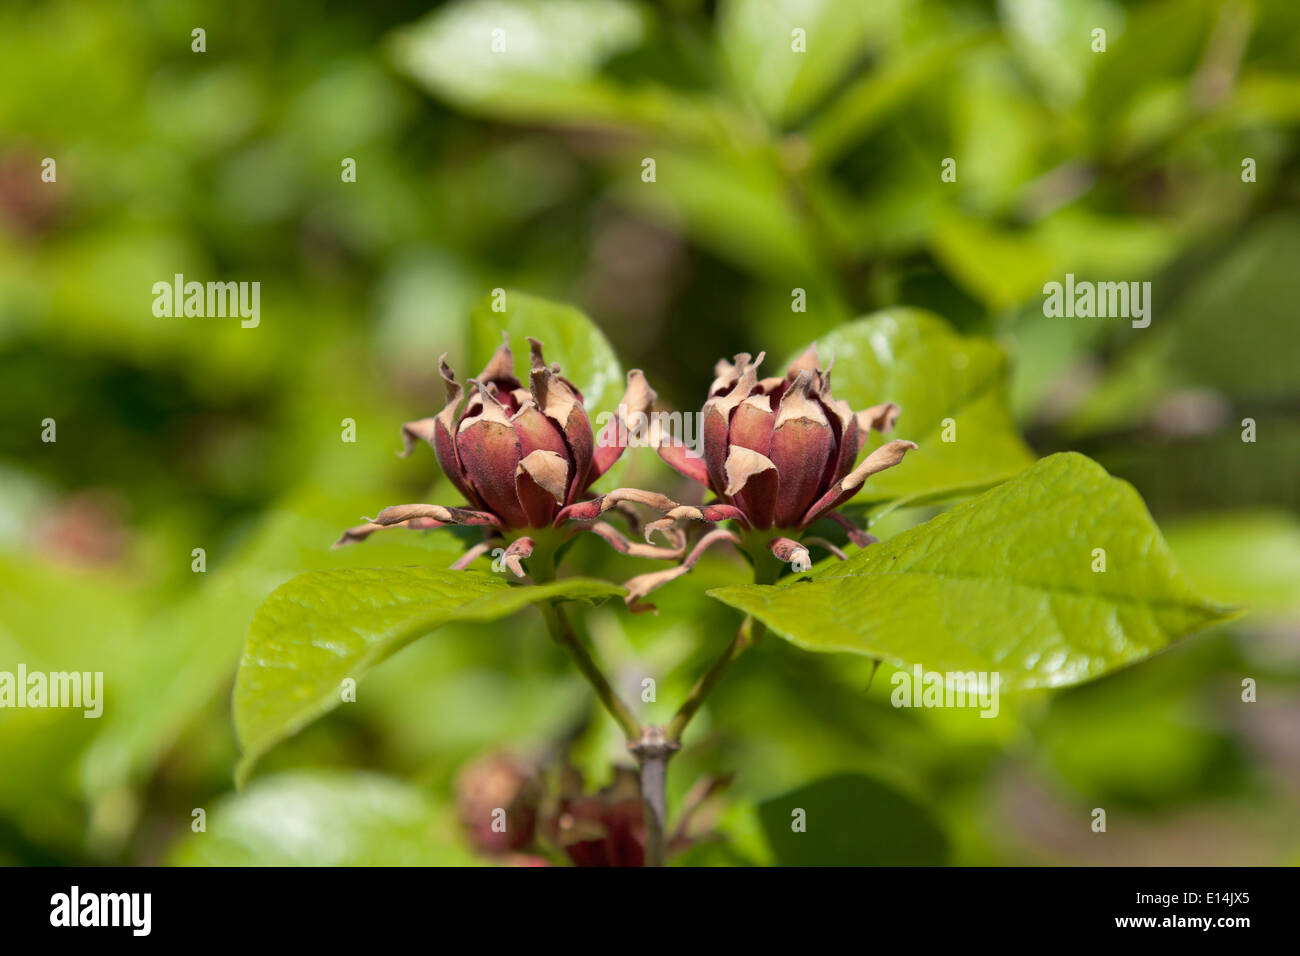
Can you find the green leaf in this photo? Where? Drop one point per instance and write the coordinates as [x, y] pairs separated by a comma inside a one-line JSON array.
[[733, 203], [570, 338], [756, 37], [1250, 557], [851, 820], [1002, 583], [1251, 360], [872, 99], [1001, 267], [1056, 50], [325, 626], [913, 358], [325, 819], [546, 65]]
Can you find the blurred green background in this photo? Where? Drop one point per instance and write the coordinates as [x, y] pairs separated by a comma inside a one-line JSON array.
[[774, 171]]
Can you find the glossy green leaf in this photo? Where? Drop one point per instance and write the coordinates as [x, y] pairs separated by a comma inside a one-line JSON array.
[[571, 340], [913, 358], [1002, 583], [325, 626], [851, 820], [325, 819]]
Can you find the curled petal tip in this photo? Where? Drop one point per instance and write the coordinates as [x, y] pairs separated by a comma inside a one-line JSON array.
[[879, 417], [806, 362], [792, 553], [501, 366], [639, 396], [536, 359]]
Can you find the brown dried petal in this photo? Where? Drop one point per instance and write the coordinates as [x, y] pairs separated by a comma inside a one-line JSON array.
[[638, 399], [879, 417]]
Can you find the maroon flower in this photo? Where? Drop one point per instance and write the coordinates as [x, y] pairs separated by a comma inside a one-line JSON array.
[[524, 458], [779, 454], [602, 829]]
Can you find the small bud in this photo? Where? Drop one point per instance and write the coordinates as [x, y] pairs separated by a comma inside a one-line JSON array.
[[497, 798]]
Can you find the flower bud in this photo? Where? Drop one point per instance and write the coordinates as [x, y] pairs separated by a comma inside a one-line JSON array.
[[520, 454], [497, 798], [602, 829], [782, 450]]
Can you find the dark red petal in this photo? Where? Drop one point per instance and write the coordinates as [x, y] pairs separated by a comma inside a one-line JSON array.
[[753, 485], [541, 480], [802, 447], [489, 453], [886, 456], [751, 424], [685, 461], [561, 403], [537, 432], [717, 417]]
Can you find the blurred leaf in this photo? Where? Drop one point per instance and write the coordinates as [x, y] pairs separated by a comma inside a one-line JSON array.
[[1141, 742], [999, 132], [734, 204], [869, 101], [913, 358], [757, 41], [1160, 39], [325, 626], [571, 340], [1250, 558], [548, 65], [1002, 268], [852, 820], [1255, 355], [58, 618], [1251, 359], [1053, 40], [325, 819], [1003, 583]]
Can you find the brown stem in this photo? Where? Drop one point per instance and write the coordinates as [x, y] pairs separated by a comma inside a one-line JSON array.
[[653, 750], [564, 635], [750, 631]]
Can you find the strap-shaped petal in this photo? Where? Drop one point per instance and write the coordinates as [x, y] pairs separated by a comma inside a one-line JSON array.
[[638, 399], [541, 482], [753, 484], [641, 585], [802, 446], [886, 456]]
